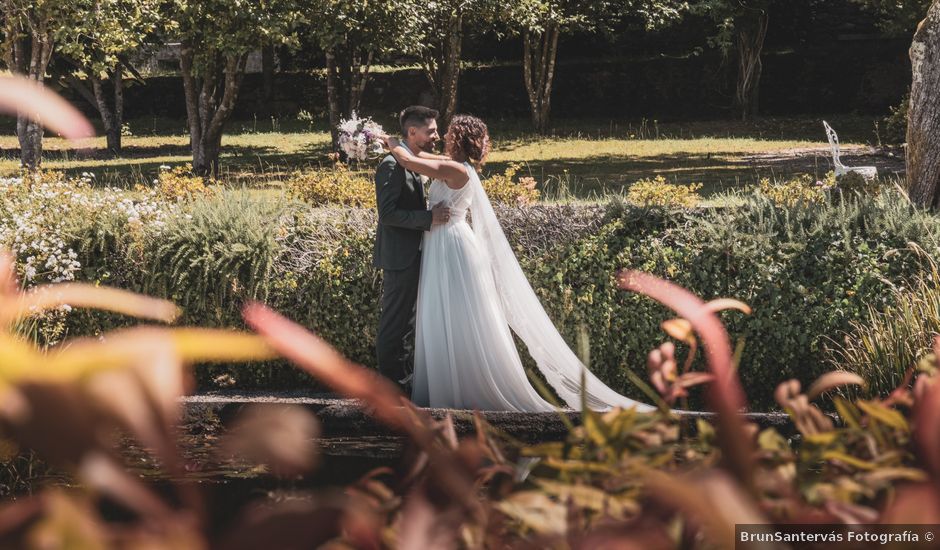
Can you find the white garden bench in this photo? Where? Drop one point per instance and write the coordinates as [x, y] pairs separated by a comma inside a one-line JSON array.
[[867, 172]]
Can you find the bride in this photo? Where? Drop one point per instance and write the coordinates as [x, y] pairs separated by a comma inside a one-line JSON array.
[[471, 291]]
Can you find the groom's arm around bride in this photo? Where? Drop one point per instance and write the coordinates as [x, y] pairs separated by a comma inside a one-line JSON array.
[[395, 210]]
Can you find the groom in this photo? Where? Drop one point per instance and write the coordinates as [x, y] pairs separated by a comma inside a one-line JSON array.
[[403, 219]]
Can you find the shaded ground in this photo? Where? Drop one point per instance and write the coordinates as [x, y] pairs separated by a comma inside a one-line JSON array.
[[819, 160], [717, 172]]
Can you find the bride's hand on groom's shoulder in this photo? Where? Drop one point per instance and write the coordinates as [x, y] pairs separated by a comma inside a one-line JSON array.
[[390, 142]]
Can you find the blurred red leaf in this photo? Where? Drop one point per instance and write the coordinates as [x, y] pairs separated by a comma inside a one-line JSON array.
[[833, 380], [712, 499], [21, 95], [725, 394], [915, 503], [324, 363], [925, 423], [280, 436], [448, 469], [289, 525], [89, 296]]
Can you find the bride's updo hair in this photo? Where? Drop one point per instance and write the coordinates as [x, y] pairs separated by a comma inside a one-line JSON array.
[[470, 137]]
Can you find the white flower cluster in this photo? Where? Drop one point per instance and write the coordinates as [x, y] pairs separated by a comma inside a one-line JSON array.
[[32, 216], [359, 138]]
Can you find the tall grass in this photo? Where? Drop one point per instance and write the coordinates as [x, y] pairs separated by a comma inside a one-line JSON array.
[[884, 346]]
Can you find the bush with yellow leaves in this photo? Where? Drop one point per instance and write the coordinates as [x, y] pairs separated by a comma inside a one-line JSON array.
[[334, 186], [179, 184], [659, 192], [501, 189], [803, 189]]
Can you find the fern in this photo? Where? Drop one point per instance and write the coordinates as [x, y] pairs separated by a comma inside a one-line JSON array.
[[217, 251]]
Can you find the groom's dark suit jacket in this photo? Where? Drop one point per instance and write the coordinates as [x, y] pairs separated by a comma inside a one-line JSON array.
[[403, 215]]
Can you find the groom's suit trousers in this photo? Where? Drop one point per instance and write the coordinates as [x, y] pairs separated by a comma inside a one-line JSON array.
[[394, 341]]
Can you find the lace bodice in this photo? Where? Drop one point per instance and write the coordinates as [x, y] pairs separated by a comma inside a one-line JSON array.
[[458, 200]]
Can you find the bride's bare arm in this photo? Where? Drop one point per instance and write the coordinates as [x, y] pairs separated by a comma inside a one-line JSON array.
[[450, 172], [432, 156]]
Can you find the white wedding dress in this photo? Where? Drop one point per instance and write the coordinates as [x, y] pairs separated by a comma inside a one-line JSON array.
[[471, 291]]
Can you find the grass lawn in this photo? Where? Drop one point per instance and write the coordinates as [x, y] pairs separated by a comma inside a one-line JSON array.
[[583, 158]]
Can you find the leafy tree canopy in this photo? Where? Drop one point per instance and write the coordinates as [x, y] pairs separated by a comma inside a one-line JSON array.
[[232, 28]]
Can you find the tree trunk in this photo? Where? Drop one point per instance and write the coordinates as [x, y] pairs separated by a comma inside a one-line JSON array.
[[333, 97], [111, 111], [191, 86], [30, 134], [538, 72], [267, 79], [114, 143], [211, 152], [110, 107], [359, 77], [29, 56], [442, 68], [752, 30], [923, 118], [347, 73], [209, 107], [451, 75], [212, 137]]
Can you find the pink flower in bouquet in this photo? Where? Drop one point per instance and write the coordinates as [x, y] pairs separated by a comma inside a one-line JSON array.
[[360, 138]]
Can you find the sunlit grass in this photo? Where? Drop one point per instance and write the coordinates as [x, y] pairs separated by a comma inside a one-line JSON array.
[[560, 148], [589, 158]]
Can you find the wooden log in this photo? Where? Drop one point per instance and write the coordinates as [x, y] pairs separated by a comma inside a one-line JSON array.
[[351, 441]]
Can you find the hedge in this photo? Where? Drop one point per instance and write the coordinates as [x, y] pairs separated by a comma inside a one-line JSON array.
[[808, 271]]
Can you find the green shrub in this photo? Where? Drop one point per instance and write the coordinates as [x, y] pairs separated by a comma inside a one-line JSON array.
[[659, 192], [325, 279], [892, 130], [210, 257], [809, 272], [216, 254], [336, 186]]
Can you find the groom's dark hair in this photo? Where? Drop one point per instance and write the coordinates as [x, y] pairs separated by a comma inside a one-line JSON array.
[[416, 115]]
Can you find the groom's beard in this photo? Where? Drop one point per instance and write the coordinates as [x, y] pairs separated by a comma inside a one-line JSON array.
[[416, 147], [428, 147]]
